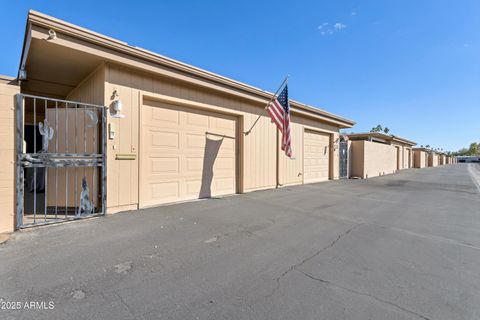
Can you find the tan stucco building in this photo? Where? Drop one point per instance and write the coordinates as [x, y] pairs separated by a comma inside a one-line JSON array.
[[173, 132], [374, 154], [442, 159], [420, 157], [433, 159]]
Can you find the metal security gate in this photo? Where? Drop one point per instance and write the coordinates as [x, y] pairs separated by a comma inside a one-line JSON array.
[[343, 146], [61, 160]]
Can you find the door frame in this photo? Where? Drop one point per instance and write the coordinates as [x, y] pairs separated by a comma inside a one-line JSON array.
[[397, 148], [331, 151]]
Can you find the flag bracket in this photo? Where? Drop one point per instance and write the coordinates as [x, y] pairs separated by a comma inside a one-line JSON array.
[[285, 81]]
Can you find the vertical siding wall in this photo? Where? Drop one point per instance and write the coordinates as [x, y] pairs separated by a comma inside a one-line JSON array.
[[7, 155], [291, 171], [122, 175], [90, 90], [259, 146]]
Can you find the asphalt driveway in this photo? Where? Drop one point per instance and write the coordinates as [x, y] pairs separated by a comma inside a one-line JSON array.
[[405, 246]]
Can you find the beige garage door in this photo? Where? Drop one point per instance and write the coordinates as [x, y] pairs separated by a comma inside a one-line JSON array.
[[316, 156], [185, 154]]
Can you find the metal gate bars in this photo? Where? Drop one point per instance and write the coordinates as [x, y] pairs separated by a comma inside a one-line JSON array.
[[343, 159], [61, 160]]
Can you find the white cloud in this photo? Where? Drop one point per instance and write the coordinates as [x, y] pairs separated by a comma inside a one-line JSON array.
[[325, 29], [339, 26], [353, 13], [323, 25]]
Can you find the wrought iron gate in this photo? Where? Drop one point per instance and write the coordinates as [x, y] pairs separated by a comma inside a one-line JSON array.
[[343, 159], [61, 160]]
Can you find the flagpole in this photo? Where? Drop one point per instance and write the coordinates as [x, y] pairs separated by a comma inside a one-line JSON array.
[[277, 151], [277, 143], [275, 94], [277, 154], [269, 102]]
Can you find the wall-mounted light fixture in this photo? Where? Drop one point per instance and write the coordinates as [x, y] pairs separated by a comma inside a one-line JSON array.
[[335, 144], [116, 106], [22, 74], [52, 35]]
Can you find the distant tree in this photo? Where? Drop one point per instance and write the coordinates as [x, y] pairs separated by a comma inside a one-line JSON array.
[[345, 132], [427, 146], [421, 146], [474, 149], [386, 130]]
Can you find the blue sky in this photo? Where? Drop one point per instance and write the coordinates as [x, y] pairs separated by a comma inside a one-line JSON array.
[[413, 66]]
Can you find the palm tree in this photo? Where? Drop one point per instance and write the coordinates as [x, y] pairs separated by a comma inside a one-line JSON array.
[[378, 128]]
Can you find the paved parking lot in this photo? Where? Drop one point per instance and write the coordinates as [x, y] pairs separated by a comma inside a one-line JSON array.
[[405, 246]]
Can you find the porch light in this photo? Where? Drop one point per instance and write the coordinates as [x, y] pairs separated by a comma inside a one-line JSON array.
[[117, 109], [116, 106], [22, 74]]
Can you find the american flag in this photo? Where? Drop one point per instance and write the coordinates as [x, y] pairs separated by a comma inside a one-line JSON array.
[[279, 111]]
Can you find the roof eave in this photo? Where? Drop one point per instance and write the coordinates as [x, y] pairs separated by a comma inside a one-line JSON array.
[[43, 20], [384, 136]]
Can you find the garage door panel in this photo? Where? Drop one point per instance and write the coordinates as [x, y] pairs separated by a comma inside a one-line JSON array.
[[228, 144], [194, 165], [186, 155], [224, 185], [196, 141], [316, 156], [193, 188], [196, 120], [164, 117], [169, 165], [158, 139], [224, 163], [165, 191], [223, 125]]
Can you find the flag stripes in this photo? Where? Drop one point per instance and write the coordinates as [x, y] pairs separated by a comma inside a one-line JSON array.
[[279, 111]]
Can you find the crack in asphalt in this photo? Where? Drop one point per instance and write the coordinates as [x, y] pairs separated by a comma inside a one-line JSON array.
[[124, 304], [295, 266], [329, 283]]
